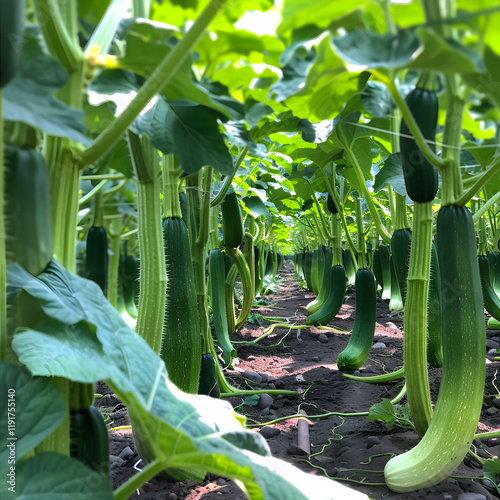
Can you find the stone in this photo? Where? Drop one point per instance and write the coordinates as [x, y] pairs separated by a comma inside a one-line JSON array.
[[252, 376], [492, 344], [269, 432], [323, 338], [372, 441], [264, 401], [126, 453], [379, 346]]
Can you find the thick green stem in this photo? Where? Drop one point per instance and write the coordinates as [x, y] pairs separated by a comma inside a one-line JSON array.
[[401, 221], [154, 84], [415, 319], [451, 177], [229, 179], [392, 208], [386, 237], [64, 186], [361, 236], [494, 199], [153, 274], [482, 237], [170, 174], [59, 26], [324, 225], [114, 236]]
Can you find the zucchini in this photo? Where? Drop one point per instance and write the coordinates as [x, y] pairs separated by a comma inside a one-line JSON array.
[[421, 177], [28, 222], [130, 284], [324, 291], [490, 298], [209, 383], [11, 38], [89, 441], [96, 257], [348, 263], [232, 220], [330, 205], [396, 302], [400, 249], [458, 407], [361, 340], [217, 274], [496, 280], [333, 303], [181, 340], [385, 264], [307, 267], [317, 269], [377, 268]]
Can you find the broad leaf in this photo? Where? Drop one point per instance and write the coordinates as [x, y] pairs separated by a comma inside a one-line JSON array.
[[52, 476], [391, 174], [182, 430], [383, 411], [32, 409], [29, 97]]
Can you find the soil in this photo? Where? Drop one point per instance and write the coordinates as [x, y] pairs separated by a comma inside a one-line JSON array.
[[347, 448]]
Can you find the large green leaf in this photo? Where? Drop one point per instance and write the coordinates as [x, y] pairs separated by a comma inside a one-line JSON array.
[[29, 97], [187, 129], [327, 86], [391, 174], [298, 13], [32, 408], [52, 476], [182, 430], [420, 49]]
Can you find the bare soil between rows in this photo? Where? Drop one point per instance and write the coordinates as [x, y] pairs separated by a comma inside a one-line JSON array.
[[347, 448]]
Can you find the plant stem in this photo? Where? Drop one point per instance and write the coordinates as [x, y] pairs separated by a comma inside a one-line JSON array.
[[171, 203], [477, 215], [127, 489], [361, 236], [153, 274], [229, 179], [154, 84], [415, 319]]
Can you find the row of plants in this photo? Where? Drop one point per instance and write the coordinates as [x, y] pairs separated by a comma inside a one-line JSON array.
[[163, 173]]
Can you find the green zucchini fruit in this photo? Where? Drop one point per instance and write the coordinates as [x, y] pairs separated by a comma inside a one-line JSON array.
[[330, 205], [317, 269], [324, 291], [184, 204], [11, 38], [377, 268], [28, 222], [490, 298], [308, 260], [492, 262], [434, 316], [396, 301], [400, 250], [361, 340], [232, 220], [96, 257], [89, 441], [496, 280], [458, 407], [130, 284], [385, 264], [217, 274], [333, 303], [421, 177], [181, 340], [209, 383], [348, 263]]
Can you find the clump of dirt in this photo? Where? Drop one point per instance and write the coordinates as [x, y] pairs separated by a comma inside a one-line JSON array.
[[344, 447]]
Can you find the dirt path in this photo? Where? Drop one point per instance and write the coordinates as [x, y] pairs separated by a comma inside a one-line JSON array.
[[343, 447]]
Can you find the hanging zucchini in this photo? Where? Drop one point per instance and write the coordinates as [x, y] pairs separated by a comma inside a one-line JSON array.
[[181, 340], [361, 340], [28, 223], [96, 257], [232, 220]]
